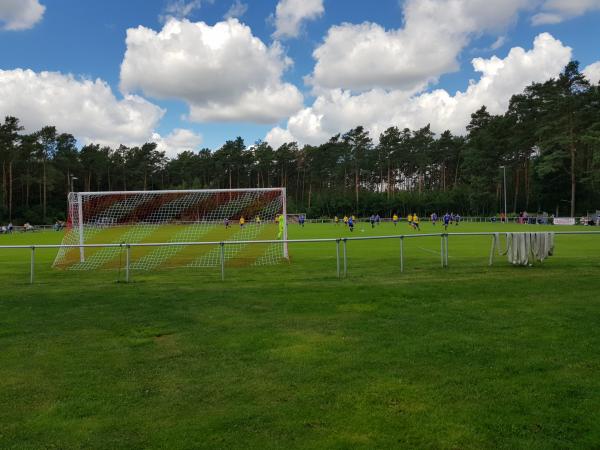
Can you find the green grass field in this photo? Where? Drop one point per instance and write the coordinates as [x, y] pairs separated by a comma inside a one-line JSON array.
[[289, 356]]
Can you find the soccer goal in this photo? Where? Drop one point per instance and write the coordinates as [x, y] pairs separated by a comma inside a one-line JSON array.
[[174, 217]]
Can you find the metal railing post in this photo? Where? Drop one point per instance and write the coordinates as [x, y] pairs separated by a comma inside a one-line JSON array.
[[491, 262], [345, 260], [31, 274], [337, 256], [442, 249], [446, 249], [401, 253], [127, 259], [222, 244]]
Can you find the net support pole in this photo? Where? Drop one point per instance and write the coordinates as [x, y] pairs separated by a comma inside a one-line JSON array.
[[285, 224], [80, 225], [337, 256], [345, 260], [127, 259], [222, 252], [32, 270], [401, 254]]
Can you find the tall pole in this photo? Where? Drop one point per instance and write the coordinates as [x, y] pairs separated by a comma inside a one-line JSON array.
[[72, 179], [505, 202]]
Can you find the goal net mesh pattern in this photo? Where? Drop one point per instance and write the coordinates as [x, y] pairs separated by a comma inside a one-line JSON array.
[[172, 217]]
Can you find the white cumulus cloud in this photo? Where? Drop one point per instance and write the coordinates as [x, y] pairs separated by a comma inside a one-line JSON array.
[[237, 9], [290, 14], [20, 14], [556, 11], [177, 141], [592, 72], [338, 110], [365, 56], [222, 72], [86, 108], [181, 9]]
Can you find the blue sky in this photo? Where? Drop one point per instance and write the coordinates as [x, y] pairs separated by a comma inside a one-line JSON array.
[[422, 58]]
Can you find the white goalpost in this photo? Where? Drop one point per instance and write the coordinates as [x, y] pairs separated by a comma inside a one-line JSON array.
[[174, 216]]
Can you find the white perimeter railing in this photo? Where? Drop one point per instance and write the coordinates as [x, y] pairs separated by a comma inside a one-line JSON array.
[[341, 260]]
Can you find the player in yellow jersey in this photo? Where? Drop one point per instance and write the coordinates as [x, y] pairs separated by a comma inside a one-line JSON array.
[[257, 220], [410, 220], [345, 220], [336, 220], [416, 222], [242, 222], [395, 219]]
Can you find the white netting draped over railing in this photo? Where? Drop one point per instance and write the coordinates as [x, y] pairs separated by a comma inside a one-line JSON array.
[[171, 217]]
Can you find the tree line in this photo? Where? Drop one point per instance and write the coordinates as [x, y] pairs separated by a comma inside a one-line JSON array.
[[547, 143]]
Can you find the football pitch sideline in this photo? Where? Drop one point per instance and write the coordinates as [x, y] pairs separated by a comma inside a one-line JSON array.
[[288, 355]]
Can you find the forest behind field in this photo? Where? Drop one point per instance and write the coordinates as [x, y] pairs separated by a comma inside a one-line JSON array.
[[547, 143]]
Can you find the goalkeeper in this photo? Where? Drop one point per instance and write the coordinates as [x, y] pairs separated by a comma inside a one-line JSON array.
[[280, 219]]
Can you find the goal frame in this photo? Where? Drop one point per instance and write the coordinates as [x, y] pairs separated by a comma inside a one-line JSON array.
[[80, 218]]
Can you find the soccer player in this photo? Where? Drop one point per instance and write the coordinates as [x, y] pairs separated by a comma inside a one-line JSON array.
[[336, 220], [434, 218], [377, 219], [416, 222], [457, 218], [242, 221], [395, 219], [372, 220], [410, 220], [257, 220], [351, 223], [281, 221], [226, 222], [301, 220], [345, 220], [447, 219]]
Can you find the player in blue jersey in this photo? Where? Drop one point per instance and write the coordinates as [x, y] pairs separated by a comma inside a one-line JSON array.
[[301, 220], [447, 219], [372, 220], [351, 223], [434, 218]]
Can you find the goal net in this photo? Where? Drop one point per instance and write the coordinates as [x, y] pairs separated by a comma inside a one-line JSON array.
[[174, 216]]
